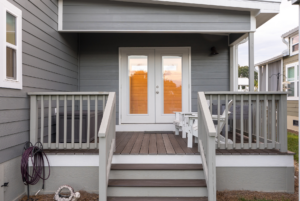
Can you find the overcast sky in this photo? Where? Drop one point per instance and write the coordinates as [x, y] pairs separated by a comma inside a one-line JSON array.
[[267, 38]]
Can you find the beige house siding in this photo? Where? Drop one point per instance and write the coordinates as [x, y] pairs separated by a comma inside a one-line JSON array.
[[292, 108], [288, 60]]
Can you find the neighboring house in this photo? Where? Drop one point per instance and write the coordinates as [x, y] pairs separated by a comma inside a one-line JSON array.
[[281, 73], [97, 83], [243, 82]]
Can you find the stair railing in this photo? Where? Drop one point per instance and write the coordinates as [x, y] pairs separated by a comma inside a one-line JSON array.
[[107, 144], [207, 148]]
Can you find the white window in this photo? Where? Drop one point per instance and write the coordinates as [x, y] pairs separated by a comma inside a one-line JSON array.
[[10, 46], [292, 76], [294, 45]]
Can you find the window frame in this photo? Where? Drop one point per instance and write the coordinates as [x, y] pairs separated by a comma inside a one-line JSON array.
[[291, 45], [295, 65], [5, 82]]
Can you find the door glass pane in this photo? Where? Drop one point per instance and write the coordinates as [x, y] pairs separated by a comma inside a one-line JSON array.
[[291, 89], [138, 84], [10, 63], [291, 74], [172, 77], [10, 29]]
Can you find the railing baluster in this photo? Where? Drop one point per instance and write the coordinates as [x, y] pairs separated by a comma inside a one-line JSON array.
[[103, 98], [80, 123], [49, 122], [65, 121], [88, 121], [218, 126], [57, 121], [234, 121], [242, 122], [249, 122], [96, 122], [73, 121], [257, 121], [226, 122], [210, 108], [265, 121], [273, 121], [42, 120]]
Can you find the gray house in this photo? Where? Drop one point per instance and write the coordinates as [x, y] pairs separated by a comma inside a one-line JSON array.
[[281, 73], [97, 83]]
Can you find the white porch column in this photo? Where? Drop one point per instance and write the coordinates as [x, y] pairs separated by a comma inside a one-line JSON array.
[[251, 60], [234, 68]]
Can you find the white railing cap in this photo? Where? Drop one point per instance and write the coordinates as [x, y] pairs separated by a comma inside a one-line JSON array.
[[66, 93]]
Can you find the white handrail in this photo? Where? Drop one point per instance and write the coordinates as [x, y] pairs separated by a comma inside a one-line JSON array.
[[107, 136], [206, 135]]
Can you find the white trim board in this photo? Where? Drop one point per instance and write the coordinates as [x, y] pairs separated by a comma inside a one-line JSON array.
[[221, 160], [144, 127]]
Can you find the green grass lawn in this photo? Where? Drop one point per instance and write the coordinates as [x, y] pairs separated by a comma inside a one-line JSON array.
[[293, 145]]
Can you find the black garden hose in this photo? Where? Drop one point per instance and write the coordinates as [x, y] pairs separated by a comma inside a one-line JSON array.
[[36, 155]]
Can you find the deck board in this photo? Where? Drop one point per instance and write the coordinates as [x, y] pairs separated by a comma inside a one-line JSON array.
[[145, 144], [160, 144], [138, 143], [130, 144], [178, 150], [124, 142], [168, 144], [152, 145]]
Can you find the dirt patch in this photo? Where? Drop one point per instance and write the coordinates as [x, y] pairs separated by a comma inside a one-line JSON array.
[[84, 196]]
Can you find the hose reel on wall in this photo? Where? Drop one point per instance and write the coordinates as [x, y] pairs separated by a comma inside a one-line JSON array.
[[36, 156]]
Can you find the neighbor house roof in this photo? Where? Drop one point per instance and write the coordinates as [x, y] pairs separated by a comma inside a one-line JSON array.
[[277, 58], [291, 32]]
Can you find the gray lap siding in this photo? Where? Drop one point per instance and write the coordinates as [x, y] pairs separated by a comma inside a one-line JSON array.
[[99, 60], [49, 64]]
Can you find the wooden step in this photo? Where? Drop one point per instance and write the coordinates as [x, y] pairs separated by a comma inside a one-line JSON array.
[[156, 167], [156, 183], [156, 199]]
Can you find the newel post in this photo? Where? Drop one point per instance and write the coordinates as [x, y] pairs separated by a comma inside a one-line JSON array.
[[102, 169], [282, 122], [33, 119]]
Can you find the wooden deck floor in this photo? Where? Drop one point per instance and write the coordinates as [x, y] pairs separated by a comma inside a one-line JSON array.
[[133, 143]]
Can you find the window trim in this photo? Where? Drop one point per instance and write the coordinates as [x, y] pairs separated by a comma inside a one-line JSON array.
[[291, 45], [5, 82], [295, 64]]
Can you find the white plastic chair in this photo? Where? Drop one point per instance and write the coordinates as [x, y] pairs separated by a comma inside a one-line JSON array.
[[192, 127], [180, 123]]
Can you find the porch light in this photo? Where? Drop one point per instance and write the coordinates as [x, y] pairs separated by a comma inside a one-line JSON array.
[[213, 51]]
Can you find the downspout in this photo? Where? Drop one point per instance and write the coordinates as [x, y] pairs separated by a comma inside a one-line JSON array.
[[286, 52]]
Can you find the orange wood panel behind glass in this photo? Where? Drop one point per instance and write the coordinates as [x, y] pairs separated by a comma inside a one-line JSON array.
[[138, 83], [172, 75]]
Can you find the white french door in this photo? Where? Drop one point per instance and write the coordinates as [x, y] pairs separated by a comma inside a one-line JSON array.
[[154, 84]]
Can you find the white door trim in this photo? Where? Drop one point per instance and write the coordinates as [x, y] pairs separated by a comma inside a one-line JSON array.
[[121, 49]]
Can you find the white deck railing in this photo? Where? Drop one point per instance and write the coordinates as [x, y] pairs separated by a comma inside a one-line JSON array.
[[256, 120], [85, 118], [206, 135], [68, 120]]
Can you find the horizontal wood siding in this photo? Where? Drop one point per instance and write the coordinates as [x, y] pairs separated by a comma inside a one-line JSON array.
[[99, 60], [113, 15], [292, 108], [49, 64], [288, 60], [292, 105]]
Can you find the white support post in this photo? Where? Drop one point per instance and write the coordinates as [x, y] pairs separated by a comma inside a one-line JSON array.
[[33, 119], [102, 169], [258, 86], [251, 60], [267, 76]]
